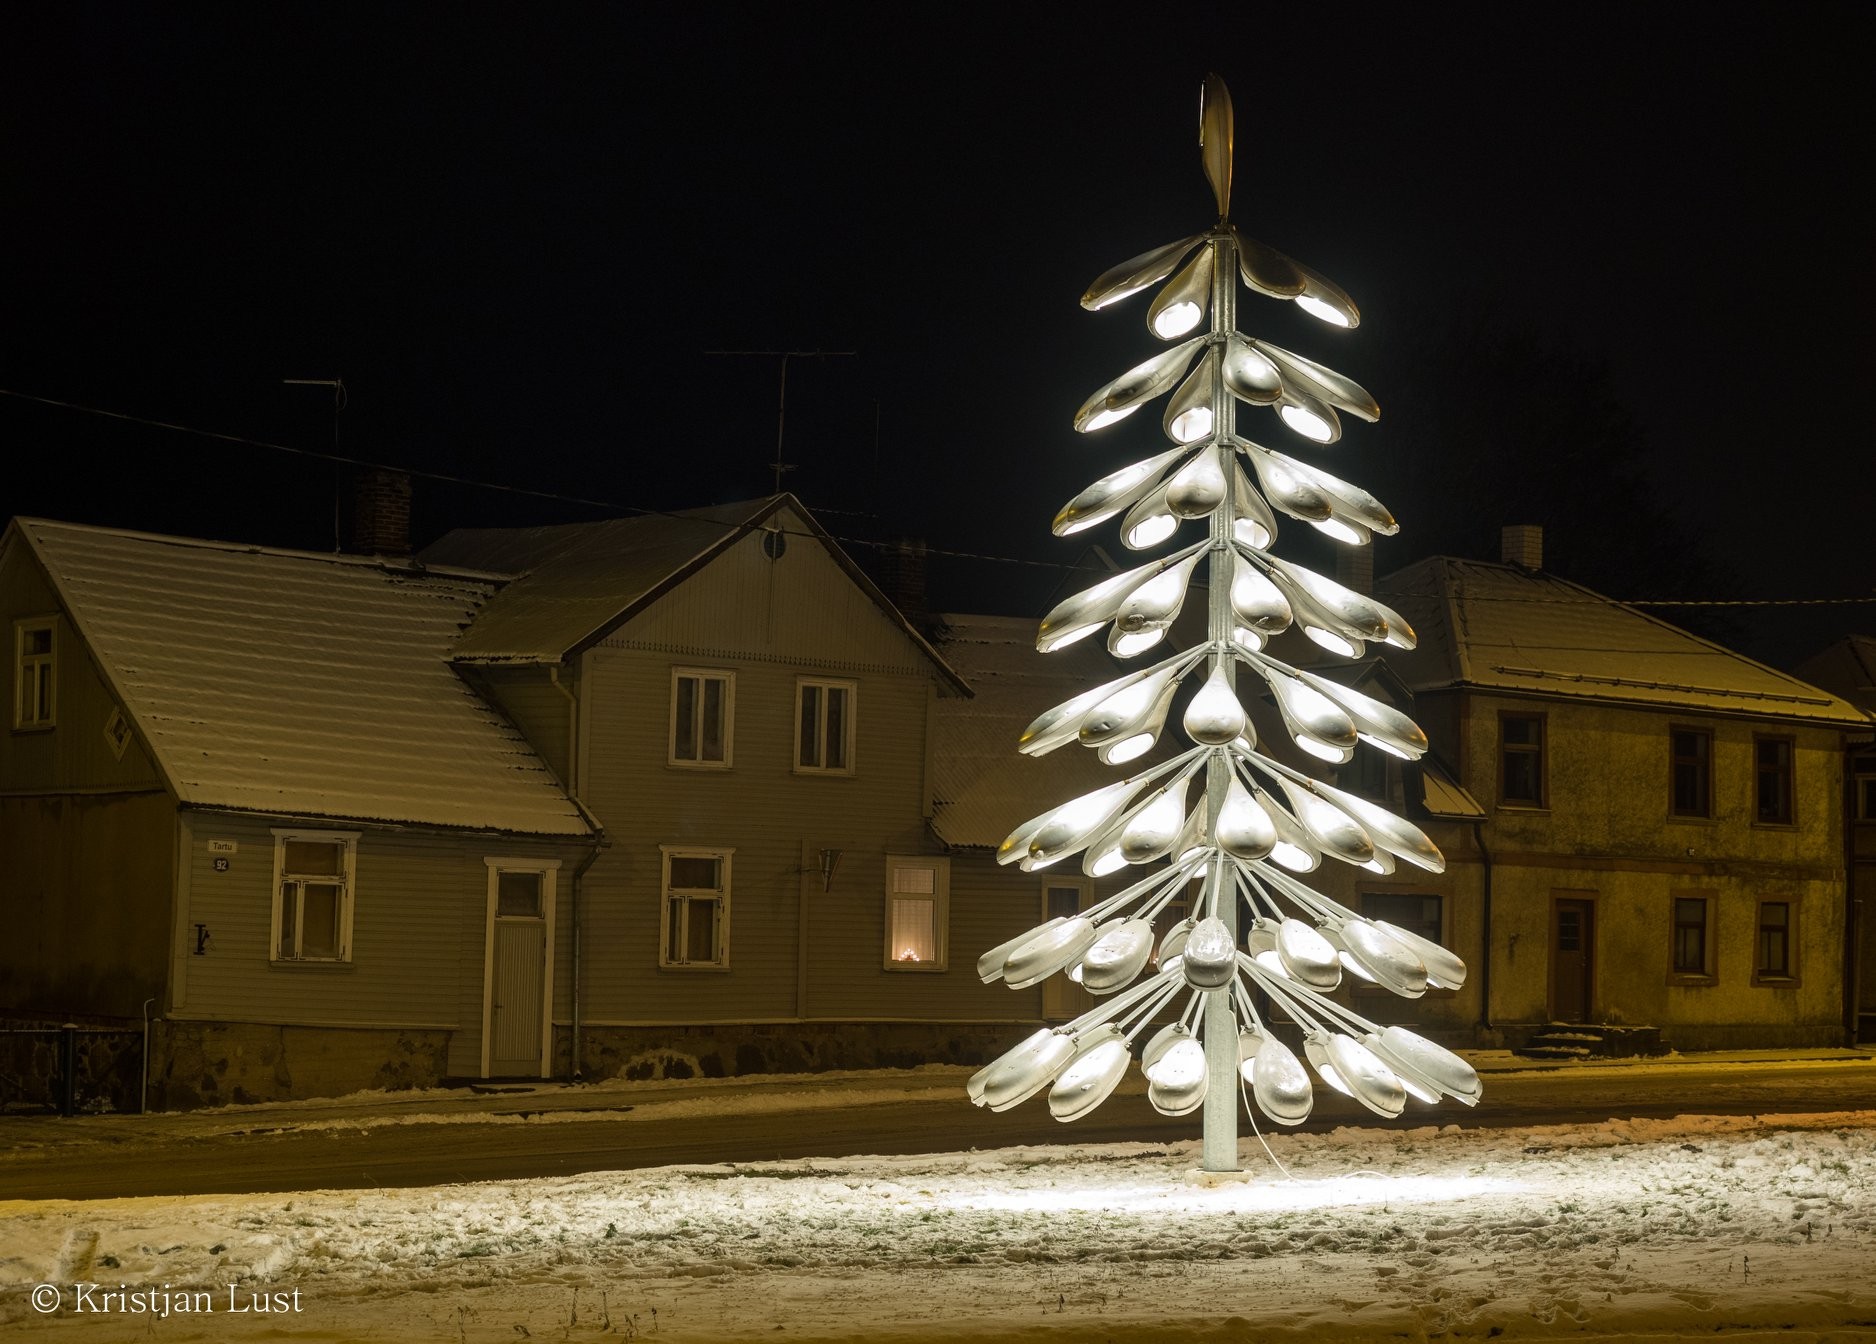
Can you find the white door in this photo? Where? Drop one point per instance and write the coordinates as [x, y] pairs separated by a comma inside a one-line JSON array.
[[519, 935]]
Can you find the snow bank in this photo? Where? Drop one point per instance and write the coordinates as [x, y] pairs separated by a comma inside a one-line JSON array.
[[1676, 1226]]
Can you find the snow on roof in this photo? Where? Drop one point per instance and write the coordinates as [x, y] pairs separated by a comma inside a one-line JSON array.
[[982, 787], [294, 683], [1503, 628], [577, 581]]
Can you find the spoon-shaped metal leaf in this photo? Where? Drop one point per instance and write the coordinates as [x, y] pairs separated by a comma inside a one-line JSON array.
[[1136, 273]]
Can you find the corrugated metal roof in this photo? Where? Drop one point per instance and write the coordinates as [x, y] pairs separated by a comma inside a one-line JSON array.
[[300, 684], [1444, 796], [1503, 628], [576, 582], [982, 787]]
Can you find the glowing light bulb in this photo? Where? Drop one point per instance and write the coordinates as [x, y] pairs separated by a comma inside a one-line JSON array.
[[1316, 308], [1192, 425], [1307, 423], [1176, 319], [1151, 531]]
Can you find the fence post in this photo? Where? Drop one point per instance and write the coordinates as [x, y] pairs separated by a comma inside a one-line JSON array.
[[68, 1069]]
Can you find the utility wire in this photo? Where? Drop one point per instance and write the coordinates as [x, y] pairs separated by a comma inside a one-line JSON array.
[[1057, 565]]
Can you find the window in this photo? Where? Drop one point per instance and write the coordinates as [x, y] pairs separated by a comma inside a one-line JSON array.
[[703, 711], [35, 673], [1863, 780], [1691, 952], [1370, 773], [1771, 772], [917, 912], [824, 719], [1691, 762], [1521, 760], [517, 895], [695, 924], [1773, 959], [313, 895], [1415, 912]]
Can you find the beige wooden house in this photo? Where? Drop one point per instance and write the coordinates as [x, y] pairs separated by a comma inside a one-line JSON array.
[[661, 786]]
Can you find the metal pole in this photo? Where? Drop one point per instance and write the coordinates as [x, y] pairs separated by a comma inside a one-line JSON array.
[[68, 1069], [1220, 1152]]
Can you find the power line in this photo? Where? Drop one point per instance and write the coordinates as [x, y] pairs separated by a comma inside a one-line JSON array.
[[588, 502]]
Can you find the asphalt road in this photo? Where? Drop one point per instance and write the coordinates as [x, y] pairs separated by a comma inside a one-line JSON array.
[[133, 1163]]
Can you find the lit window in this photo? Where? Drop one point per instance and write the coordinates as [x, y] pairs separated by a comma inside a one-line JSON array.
[[1691, 951], [313, 895], [1863, 780], [35, 673], [703, 709], [824, 727], [695, 924], [1690, 753], [917, 912], [1521, 760], [1773, 961], [1772, 787]]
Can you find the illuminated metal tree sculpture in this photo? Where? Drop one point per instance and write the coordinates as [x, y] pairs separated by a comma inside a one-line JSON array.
[[1256, 821]]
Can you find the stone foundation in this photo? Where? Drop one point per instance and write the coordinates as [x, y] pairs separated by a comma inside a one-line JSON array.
[[197, 1064], [792, 1047], [109, 1064]]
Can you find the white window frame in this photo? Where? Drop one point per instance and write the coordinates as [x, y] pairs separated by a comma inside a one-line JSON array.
[[700, 675], [824, 684], [665, 899], [940, 911], [549, 869], [347, 884], [43, 669]]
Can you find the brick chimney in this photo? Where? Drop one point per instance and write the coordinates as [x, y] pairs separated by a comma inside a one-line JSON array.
[[904, 572], [381, 512], [1354, 568], [1522, 544]]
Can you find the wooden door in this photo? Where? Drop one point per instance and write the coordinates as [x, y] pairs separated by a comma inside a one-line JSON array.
[[1572, 959], [518, 978]]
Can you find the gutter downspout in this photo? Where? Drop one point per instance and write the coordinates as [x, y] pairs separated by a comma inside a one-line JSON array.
[[1852, 907], [1485, 933], [600, 842]]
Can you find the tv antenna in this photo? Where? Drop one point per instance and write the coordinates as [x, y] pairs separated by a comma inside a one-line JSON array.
[[778, 466], [338, 487]]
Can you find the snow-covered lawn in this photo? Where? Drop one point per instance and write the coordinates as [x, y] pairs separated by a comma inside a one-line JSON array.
[[1680, 1228]]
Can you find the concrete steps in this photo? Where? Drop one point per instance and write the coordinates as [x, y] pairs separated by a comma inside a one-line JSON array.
[[1584, 1040]]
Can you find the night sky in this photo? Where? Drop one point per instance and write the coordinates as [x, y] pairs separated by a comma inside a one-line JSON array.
[[1614, 265]]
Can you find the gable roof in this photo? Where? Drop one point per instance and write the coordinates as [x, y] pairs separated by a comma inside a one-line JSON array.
[[299, 684], [1847, 668], [1498, 627], [575, 583]]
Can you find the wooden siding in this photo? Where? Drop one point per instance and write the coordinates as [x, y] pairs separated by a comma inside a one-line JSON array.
[[420, 904], [534, 704], [86, 888], [769, 622], [801, 610], [73, 755]]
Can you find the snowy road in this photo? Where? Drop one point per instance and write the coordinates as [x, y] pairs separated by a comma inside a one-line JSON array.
[[605, 1128], [1681, 1229]]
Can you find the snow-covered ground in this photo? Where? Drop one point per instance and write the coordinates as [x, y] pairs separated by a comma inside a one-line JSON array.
[[1672, 1228]]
